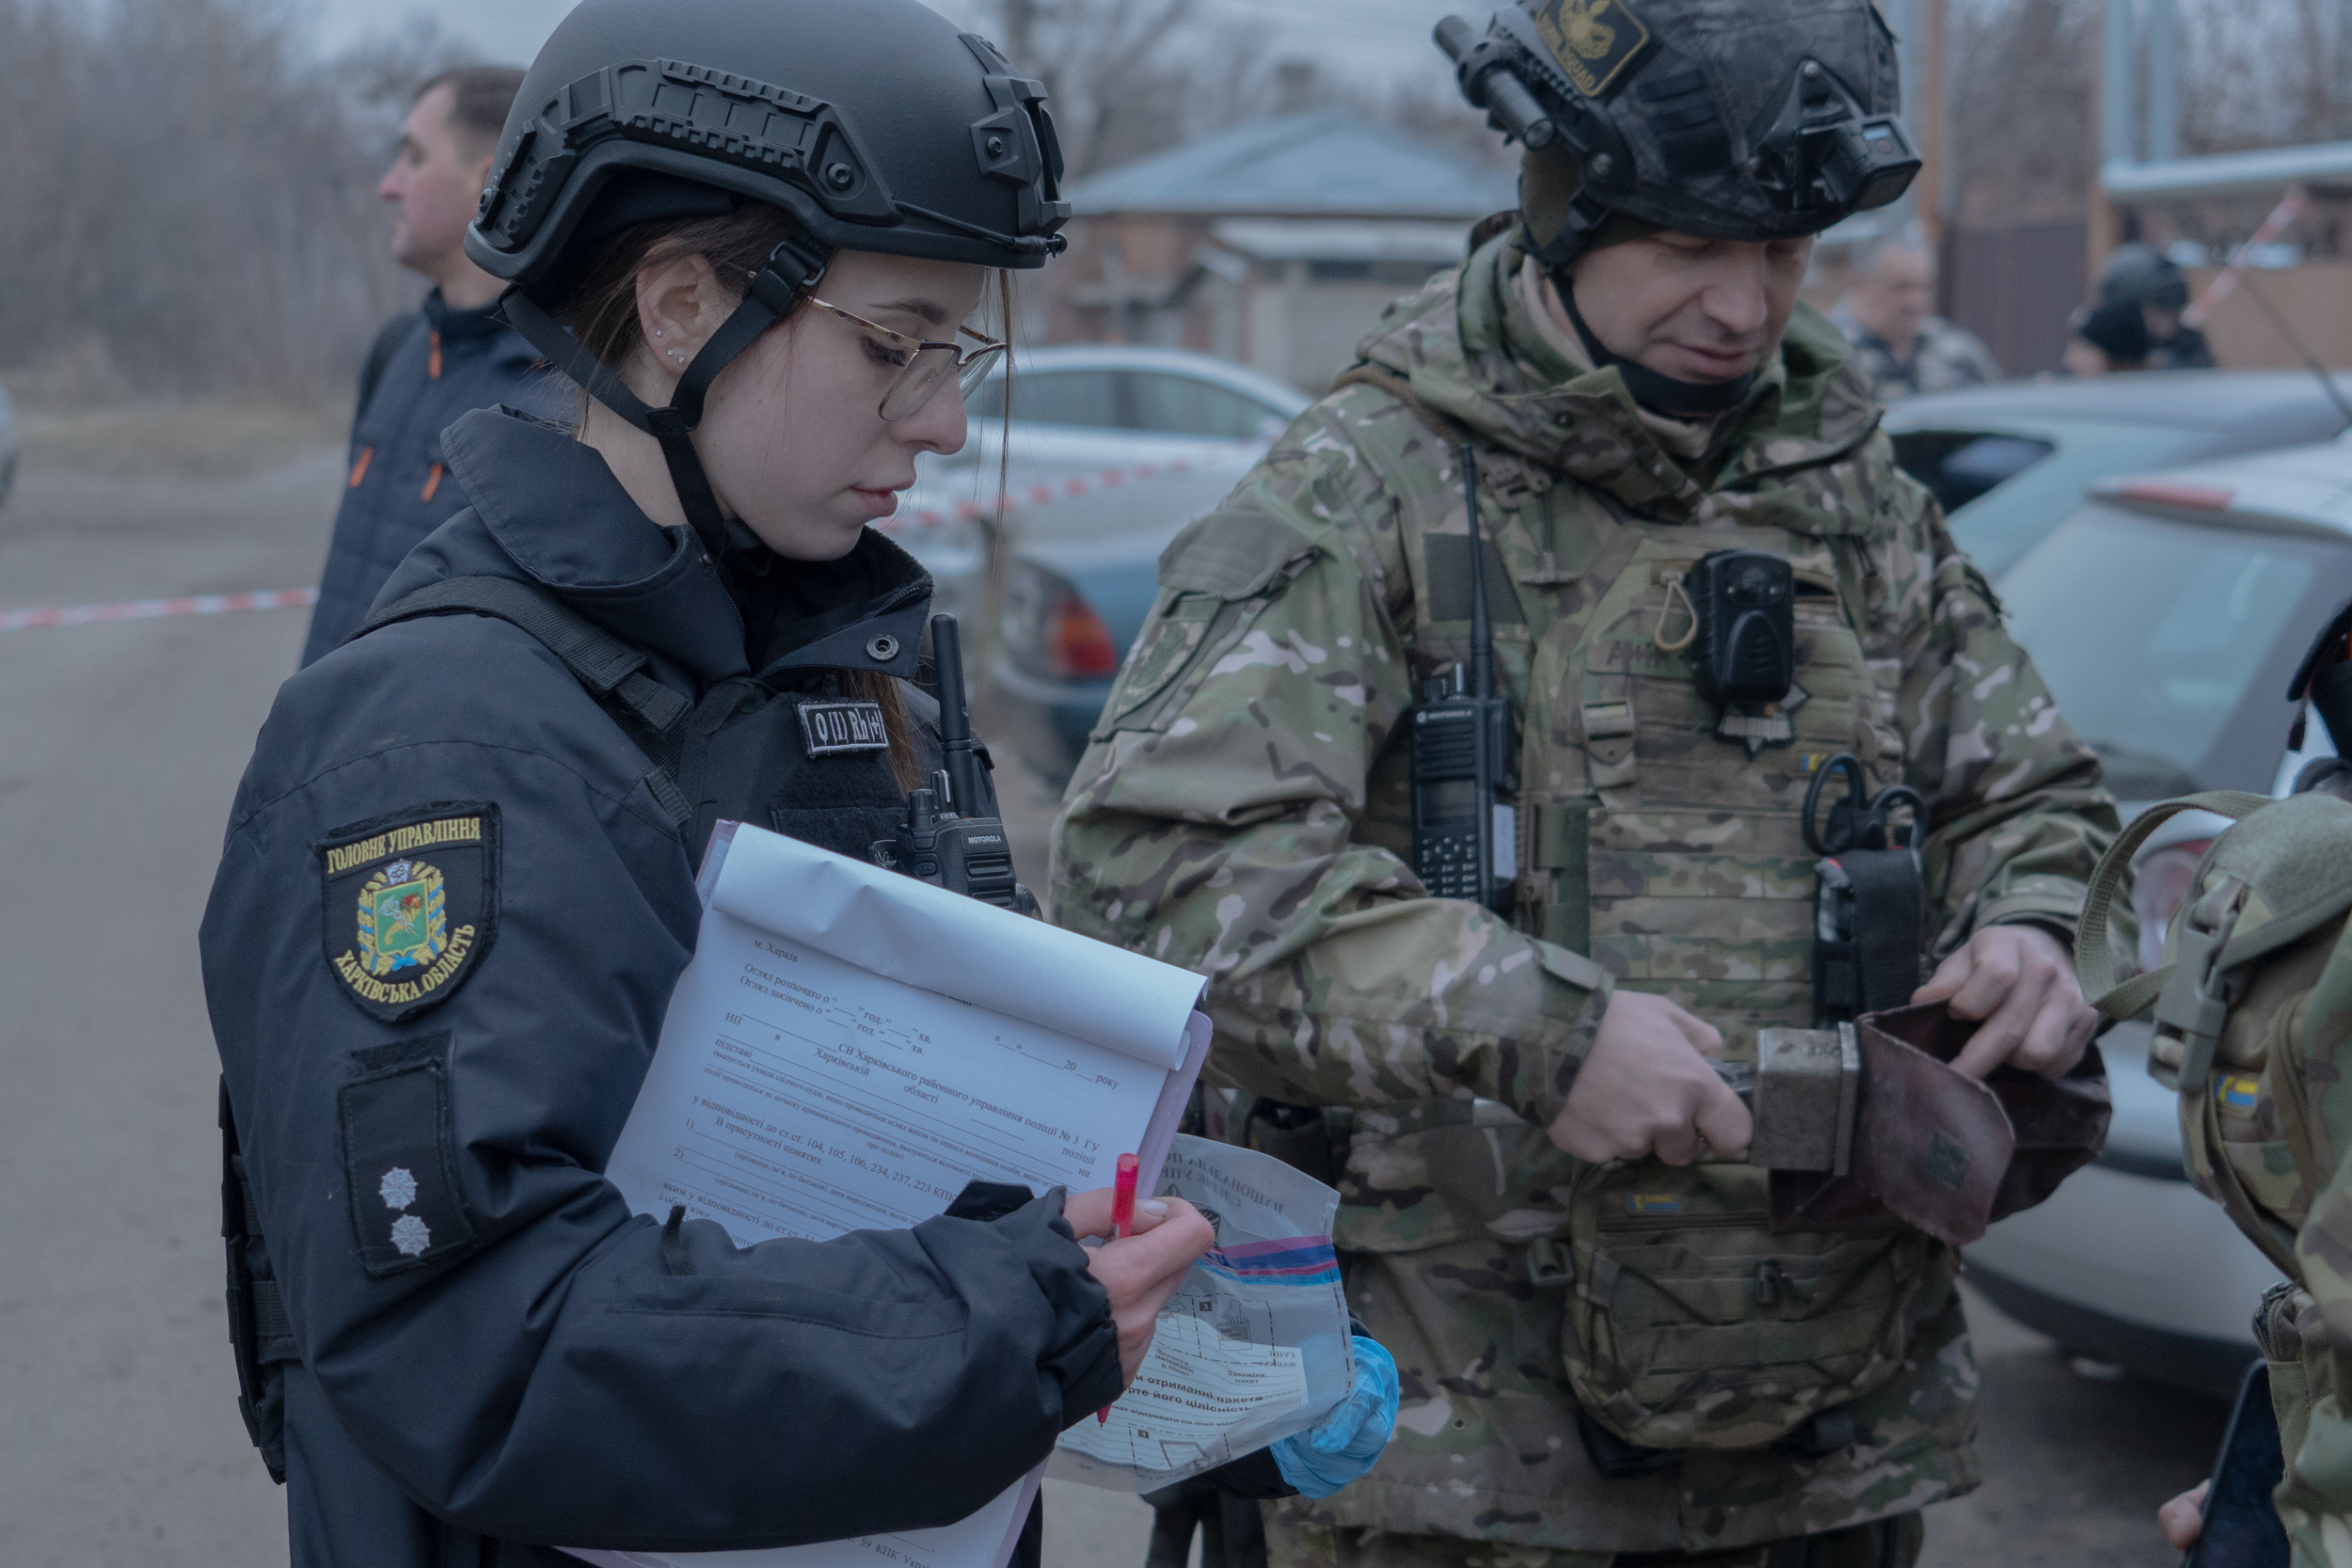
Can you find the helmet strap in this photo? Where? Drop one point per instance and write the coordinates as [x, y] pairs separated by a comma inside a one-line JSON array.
[[1659, 393], [792, 269]]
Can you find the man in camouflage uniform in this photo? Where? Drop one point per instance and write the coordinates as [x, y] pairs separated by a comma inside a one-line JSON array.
[[1900, 345], [1606, 1357]]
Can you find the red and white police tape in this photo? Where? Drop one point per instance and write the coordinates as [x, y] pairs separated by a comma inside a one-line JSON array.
[[296, 598], [148, 610], [1045, 494]]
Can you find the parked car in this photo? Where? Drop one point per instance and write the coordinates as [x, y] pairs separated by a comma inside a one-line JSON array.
[[8, 446], [1081, 412], [2168, 614], [2010, 461], [1081, 578]]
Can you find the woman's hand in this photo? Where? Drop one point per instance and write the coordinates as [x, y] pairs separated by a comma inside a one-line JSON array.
[[2182, 1519], [1142, 1271]]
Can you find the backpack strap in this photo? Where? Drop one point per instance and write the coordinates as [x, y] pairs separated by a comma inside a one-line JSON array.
[[615, 671], [2093, 964]]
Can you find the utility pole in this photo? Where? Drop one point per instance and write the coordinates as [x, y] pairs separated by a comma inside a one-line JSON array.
[[2110, 128], [1021, 32], [2342, 77]]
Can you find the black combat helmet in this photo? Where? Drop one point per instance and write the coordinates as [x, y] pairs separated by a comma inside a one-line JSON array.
[[1737, 120], [1762, 119], [875, 123], [2137, 273]]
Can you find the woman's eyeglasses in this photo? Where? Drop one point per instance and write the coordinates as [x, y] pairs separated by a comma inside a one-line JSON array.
[[922, 368]]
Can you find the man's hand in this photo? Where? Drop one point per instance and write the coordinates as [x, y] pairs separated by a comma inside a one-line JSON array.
[[1647, 1088], [2020, 980], [1141, 1271], [2182, 1519]]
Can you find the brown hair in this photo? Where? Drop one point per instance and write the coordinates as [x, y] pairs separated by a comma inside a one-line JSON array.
[[597, 301], [483, 96]]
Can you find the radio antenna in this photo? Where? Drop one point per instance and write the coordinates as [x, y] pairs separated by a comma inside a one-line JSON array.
[[1482, 630]]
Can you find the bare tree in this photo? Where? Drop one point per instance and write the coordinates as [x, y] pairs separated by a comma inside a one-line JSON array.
[[187, 193]]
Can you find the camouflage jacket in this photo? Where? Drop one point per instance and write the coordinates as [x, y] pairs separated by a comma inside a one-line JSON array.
[[1244, 809]]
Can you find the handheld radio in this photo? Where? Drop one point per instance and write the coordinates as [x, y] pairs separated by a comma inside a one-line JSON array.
[[1464, 828], [940, 842]]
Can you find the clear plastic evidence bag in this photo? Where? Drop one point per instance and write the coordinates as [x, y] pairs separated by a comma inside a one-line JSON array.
[[1252, 1348]]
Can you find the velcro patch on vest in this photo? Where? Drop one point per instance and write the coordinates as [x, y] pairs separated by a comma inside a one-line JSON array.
[[407, 1209], [409, 904], [1758, 726], [838, 729]]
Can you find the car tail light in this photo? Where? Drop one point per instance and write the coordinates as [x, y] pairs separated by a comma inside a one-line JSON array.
[[1080, 645], [1049, 627], [2159, 886], [2189, 498]]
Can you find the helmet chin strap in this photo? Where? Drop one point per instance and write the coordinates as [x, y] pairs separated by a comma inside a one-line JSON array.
[[1659, 394], [792, 269]]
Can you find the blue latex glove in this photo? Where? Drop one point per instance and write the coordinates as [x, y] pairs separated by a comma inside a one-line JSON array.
[[1321, 1459]]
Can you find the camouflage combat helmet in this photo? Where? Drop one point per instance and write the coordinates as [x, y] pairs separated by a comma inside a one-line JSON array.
[[1762, 120], [879, 126]]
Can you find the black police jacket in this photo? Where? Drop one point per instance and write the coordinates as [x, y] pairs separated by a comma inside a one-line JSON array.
[[446, 363], [489, 1346]]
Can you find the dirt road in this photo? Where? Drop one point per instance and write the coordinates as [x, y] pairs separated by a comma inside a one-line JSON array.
[[123, 744]]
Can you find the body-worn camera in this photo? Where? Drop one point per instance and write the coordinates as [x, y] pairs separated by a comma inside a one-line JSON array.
[[948, 839], [1745, 605]]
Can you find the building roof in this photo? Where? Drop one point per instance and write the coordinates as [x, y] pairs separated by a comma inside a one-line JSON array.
[[1322, 164], [1437, 243]]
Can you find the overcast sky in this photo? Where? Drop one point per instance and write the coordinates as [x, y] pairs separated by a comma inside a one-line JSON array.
[[1379, 38]]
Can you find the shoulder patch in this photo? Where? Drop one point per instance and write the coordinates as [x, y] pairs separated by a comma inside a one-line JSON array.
[[1234, 555], [409, 903]]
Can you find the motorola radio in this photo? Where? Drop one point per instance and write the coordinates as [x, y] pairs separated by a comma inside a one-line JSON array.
[[1465, 826], [941, 841]]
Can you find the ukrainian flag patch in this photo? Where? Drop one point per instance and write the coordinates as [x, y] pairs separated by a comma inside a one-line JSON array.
[[1652, 1203], [2236, 1091]]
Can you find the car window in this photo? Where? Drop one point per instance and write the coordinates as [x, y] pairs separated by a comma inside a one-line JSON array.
[[2002, 491], [1958, 465], [1186, 405], [1072, 397], [2168, 647]]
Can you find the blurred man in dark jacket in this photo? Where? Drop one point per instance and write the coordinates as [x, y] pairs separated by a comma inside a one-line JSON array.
[[1900, 343], [431, 365]]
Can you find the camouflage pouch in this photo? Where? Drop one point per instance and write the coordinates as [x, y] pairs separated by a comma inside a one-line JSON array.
[[2240, 1032], [1690, 1324]]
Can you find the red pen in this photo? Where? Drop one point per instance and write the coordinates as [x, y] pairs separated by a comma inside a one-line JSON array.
[[1122, 1215]]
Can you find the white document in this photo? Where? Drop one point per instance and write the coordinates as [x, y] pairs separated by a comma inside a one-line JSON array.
[[849, 1047]]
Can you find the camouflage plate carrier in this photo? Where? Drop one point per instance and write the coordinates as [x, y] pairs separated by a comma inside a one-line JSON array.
[[1598, 1359], [2253, 1028]]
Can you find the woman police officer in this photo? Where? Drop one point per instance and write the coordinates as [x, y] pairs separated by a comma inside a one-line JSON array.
[[749, 228]]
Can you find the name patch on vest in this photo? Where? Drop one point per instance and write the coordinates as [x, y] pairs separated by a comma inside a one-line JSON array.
[[411, 903], [834, 729]]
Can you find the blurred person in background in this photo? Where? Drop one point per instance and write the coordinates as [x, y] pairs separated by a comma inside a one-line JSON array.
[[428, 366], [1899, 341], [2137, 274], [2106, 339]]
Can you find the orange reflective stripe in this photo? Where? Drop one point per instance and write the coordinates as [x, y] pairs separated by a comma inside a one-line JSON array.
[[433, 369], [359, 470], [431, 483]]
